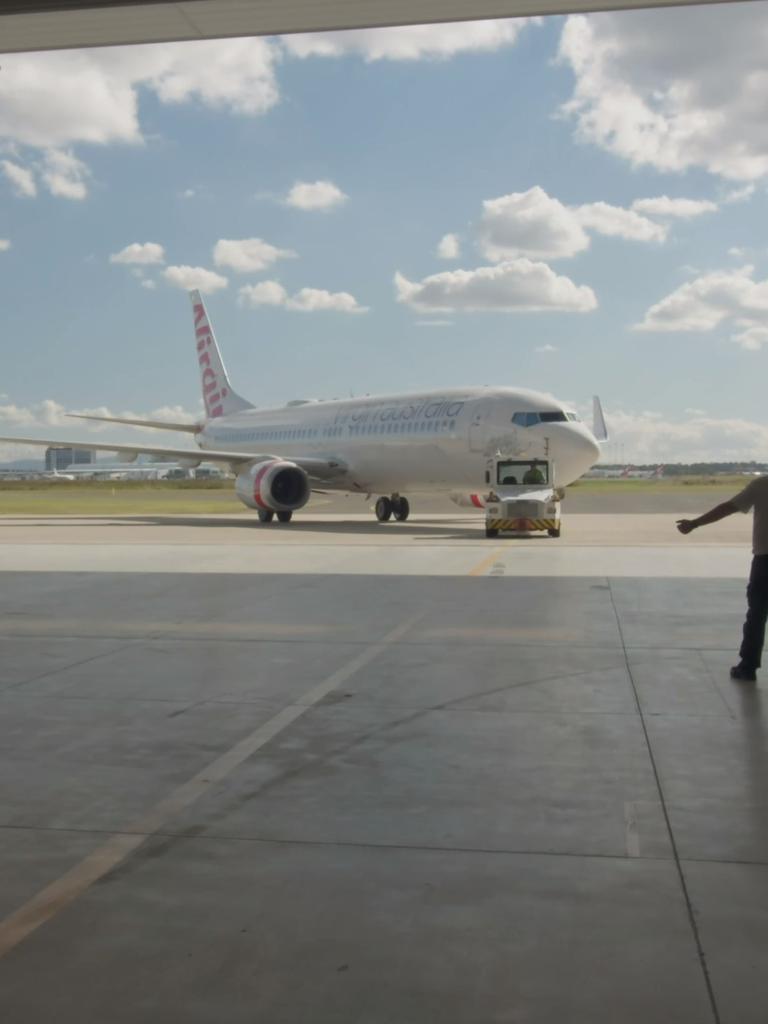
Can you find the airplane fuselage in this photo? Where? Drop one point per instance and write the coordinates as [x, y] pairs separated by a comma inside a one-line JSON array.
[[437, 440]]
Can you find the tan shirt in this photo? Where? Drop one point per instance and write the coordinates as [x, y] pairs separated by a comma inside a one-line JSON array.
[[755, 496]]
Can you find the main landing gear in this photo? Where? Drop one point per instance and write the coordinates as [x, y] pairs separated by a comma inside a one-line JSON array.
[[396, 506], [266, 515]]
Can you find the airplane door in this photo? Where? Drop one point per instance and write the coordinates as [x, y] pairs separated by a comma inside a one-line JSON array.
[[478, 427]]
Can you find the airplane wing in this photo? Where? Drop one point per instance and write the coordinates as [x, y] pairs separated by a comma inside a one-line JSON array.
[[320, 469]]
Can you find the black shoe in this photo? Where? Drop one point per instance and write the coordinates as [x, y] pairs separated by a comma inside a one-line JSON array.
[[743, 672]]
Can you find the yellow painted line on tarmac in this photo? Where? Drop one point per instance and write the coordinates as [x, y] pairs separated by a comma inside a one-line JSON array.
[[61, 893], [482, 567]]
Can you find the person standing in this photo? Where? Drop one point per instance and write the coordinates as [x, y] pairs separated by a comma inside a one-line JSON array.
[[755, 497]]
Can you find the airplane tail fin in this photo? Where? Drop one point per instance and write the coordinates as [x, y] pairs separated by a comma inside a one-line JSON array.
[[599, 429], [218, 396]]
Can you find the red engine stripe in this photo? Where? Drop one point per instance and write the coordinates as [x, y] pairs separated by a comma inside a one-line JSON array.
[[257, 486], [476, 501]]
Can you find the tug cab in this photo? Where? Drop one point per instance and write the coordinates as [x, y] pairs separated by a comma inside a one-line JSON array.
[[523, 498]]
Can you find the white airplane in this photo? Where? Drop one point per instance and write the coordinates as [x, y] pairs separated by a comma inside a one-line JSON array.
[[54, 475], [645, 474], [391, 445], [626, 473]]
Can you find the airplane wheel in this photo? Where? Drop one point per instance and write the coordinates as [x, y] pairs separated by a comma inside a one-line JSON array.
[[284, 517], [489, 532], [383, 510], [401, 509], [265, 515], [554, 533]]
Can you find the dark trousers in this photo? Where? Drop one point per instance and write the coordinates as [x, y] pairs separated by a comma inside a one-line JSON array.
[[757, 612]]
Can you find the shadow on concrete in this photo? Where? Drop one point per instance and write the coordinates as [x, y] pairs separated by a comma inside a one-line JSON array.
[[449, 529]]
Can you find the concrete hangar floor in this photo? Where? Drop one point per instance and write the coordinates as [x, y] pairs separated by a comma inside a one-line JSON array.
[[355, 772]]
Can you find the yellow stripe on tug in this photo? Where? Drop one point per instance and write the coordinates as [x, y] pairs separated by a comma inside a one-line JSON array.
[[523, 525]]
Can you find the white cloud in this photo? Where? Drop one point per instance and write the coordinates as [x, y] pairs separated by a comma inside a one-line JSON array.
[[265, 293], [188, 193], [47, 413], [753, 337], [448, 248], [515, 286], [315, 195], [415, 42], [711, 300], [206, 281], [63, 97], [21, 178], [311, 300], [248, 255], [148, 283], [64, 174], [740, 195], [5, 244], [538, 226], [306, 300], [663, 206], [546, 349], [140, 253], [649, 437], [674, 88], [530, 224], [617, 222]]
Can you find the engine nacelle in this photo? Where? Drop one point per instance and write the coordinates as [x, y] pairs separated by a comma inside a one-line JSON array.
[[274, 486]]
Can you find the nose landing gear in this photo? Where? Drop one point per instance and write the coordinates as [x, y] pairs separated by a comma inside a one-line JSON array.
[[396, 506]]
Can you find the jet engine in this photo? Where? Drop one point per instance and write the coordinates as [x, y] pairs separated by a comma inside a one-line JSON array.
[[274, 486]]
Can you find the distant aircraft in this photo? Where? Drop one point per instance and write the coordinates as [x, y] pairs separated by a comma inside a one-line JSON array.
[[625, 473], [107, 470], [391, 446], [645, 474], [54, 475]]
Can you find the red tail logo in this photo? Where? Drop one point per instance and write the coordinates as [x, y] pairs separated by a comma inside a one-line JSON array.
[[213, 392]]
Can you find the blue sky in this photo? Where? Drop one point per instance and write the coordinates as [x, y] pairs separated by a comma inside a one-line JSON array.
[[602, 178]]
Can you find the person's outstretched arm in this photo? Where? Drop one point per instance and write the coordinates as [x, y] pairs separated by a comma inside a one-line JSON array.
[[727, 508]]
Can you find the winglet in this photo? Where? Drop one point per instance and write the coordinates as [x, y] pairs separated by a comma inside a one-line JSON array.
[[599, 428]]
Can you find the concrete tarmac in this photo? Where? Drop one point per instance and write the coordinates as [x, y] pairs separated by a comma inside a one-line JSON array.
[[341, 771]]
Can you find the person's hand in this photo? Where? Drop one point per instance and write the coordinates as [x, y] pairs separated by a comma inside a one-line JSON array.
[[685, 525]]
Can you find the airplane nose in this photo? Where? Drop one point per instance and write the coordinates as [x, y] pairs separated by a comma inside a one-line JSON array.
[[593, 449], [584, 449]]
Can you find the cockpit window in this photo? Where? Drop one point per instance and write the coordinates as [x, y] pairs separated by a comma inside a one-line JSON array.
[[573, 417], [529, 419], [553, 417]]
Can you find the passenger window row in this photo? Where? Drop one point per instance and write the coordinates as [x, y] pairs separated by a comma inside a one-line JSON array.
[[421, 427]]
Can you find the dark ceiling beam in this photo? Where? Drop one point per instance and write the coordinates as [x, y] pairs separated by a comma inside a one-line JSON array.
[[28, 25]]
